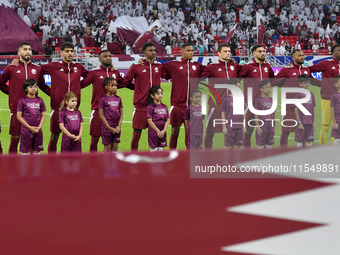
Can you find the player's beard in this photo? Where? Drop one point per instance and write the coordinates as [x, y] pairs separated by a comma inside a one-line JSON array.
[[26, 58], [261, 58], [107, 64], [300, 62]]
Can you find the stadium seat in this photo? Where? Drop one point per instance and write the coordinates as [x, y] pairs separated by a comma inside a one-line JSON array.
[[309, 52], [57, 48]]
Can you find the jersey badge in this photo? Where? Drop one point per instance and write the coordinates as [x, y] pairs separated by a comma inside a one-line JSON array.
[[75, 69], [156, 69], [193, 67], [232, 68], [33, 71], [266, 69]]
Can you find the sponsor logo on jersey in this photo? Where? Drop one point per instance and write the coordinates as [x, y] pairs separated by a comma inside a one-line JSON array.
[[18, 71], [33, 71], [160, 111], [219, 70], [144, 71], [294, 74], [305, 72], [101, 77], [73, 117], [61, 70], [333, 67], [255, 71], [181, 67], [33, 105], [113, 103]]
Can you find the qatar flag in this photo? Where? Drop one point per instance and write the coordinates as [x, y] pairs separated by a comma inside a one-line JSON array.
[[261, 30], [13, 30], [231, 32], [136, 32]]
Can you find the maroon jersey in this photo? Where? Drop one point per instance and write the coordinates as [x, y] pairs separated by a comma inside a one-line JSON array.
[[219, 73], [65, 77], [71, 120], [96, 77], [111, 106], [329, 68], [227, 107], [307, 119], [31, 109], [146, 76], [181, 72], [264, 103], [195, 120], [335, 102], [16, 75], [254, 74]]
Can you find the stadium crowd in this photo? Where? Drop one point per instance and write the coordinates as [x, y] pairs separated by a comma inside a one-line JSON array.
[[288, 25]]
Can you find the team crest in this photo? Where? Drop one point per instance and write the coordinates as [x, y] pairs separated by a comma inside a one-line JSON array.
[[266, 69], [75, 69], [156, 69], [232, 68], [114, 76], [33, 71], [193, 67], [305, 72]]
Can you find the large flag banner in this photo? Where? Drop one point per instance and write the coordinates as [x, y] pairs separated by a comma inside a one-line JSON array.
[[13, 30], [136, 32], [261, 30], [230, 34]]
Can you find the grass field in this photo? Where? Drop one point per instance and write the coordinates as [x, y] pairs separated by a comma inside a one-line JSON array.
[[126, 136]]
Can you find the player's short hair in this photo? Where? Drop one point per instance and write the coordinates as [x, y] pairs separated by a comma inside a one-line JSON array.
[[255, 47], [103, 52], [233, 81], [264, 83], [222, 46], [148, 44], [185, 45], [333, 48], [336, 78], [29, 82], [294, 51], [303, 78], [66, 45], [107, 80], [23, 44]]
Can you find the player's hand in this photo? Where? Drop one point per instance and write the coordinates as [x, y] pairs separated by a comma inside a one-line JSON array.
[[259, 131], [244, 129], [32, 129], [15, 62], [112, 67], [77, 138], [141, 61], [314, 127], [231, 61], [336, 126], [117, 129], [159, 134], [113, 130], [301, 127], [73, 137], [225, 130]]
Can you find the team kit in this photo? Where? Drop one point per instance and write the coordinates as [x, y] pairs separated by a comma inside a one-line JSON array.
[[228, 115]]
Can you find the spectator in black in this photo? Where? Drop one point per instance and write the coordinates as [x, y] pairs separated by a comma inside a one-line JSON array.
[[48, 51], [68, 38]]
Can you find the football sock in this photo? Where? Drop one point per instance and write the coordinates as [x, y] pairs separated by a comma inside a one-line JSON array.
[[208, 140], [309, 144], [135, 140], [299, 145], [13, 147], [159, 148], [94, 142], [284, 139], [52, 147], [337, 142], [173, 141], [269, 146], [260, 147]]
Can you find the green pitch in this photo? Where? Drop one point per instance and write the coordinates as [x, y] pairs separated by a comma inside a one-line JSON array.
[[126, 135]]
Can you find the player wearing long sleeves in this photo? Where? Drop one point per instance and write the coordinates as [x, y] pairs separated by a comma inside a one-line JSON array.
[[16, 75], [255, 72], [218, 73], [65, 78], [329, 68], [146, 76], [288, 77], [184, 74], [96, 77]]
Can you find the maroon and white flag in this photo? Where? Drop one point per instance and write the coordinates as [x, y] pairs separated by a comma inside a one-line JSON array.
[[231, 32]]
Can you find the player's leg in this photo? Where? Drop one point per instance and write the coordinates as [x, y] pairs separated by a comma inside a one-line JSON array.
[[229, 140], [287, 128], [139, 122], [269, 146], [176, 120], [107, 148], [249, 130], [95, 130], [55, 131], [326, 120], [114, 147], [14, 131], [208, 140]]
